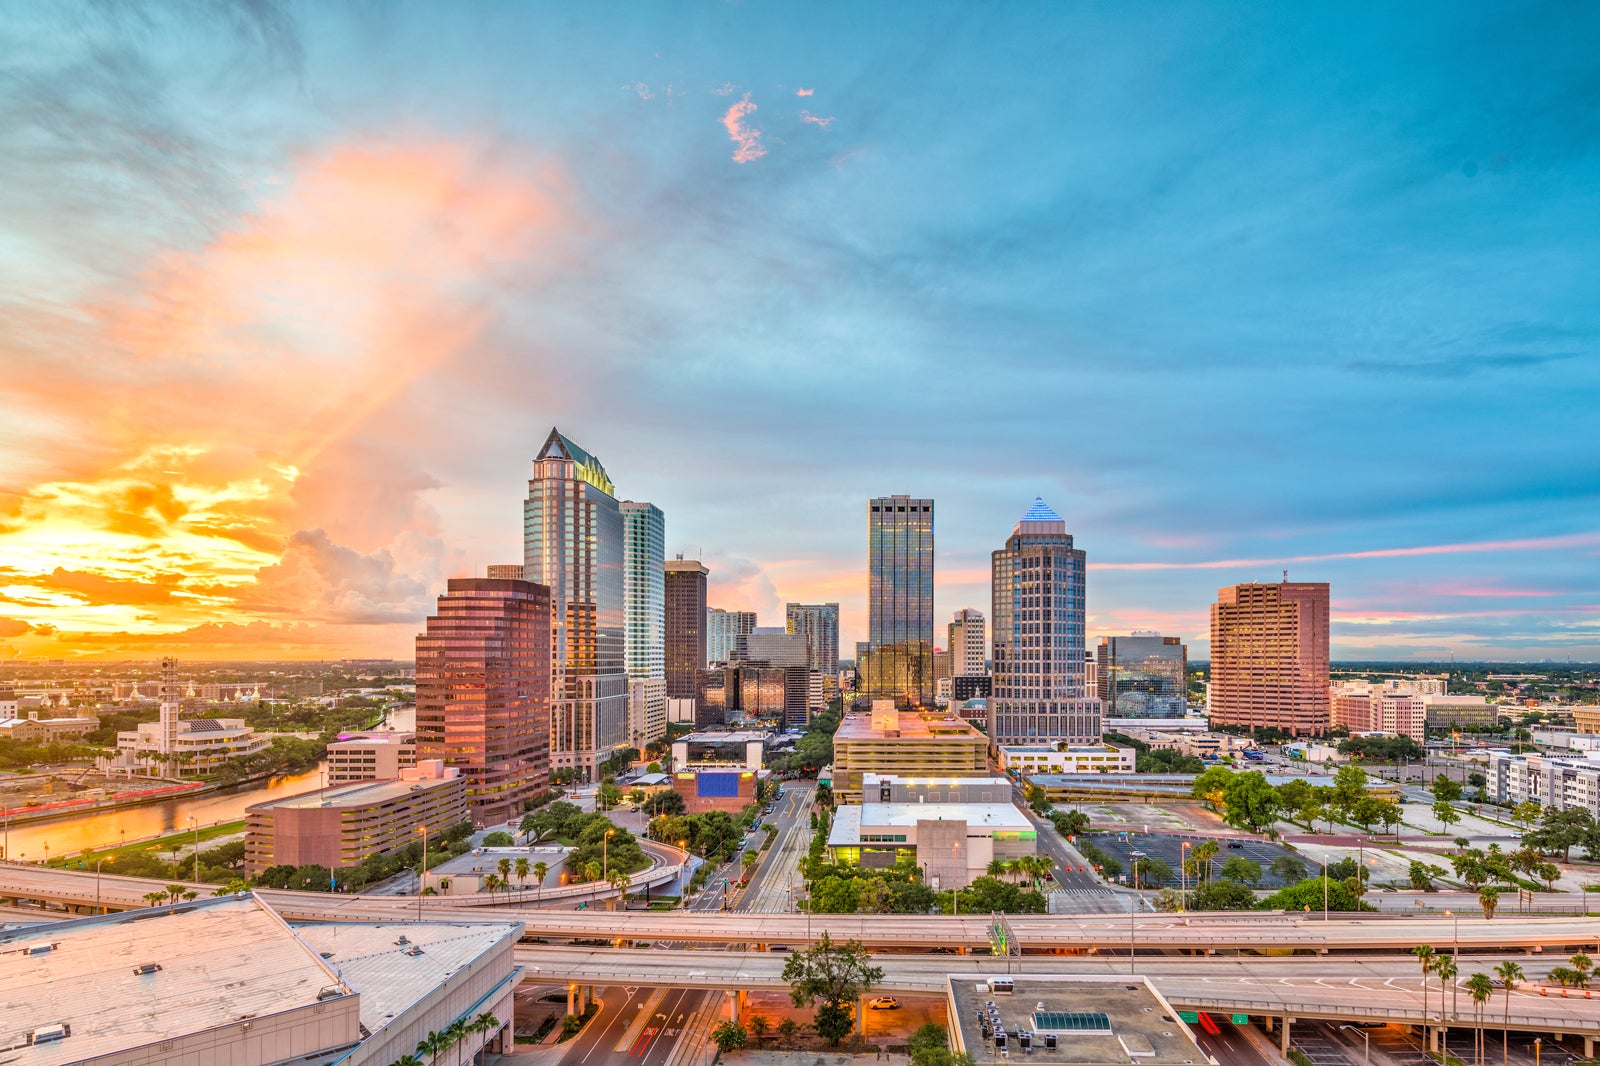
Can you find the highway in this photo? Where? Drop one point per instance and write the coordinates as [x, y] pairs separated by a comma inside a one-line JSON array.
[[1349, 989], [1235, 932]]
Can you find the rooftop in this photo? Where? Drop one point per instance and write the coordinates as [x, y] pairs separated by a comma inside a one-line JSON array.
[[1101, 1020], [732, 736], [487, 860], [850, 820], [910, 727], [220, 961], [360, 793], [377, 959]]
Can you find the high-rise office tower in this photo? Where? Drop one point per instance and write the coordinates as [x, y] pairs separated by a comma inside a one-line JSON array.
[[964, 637], [645, 608], [744, 623], [573, 544], [1144, 675], [722, 632], [899, 599], [819, 624], [1269, 657], [1038, 637], [483, 691], [686, 625]]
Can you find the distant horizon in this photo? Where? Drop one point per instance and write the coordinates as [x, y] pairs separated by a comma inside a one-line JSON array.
[[294, 292]]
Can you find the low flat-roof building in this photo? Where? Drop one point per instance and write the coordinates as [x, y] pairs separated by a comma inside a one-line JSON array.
[[1555, 782], [378, 756], [34, 728], [887, 788], [719, 750], [954, 842], [1066, 758], [1057, 1020], [730, 790], [342, 825], [1454, 712], [465, 875], [904, 745], [226, 980]]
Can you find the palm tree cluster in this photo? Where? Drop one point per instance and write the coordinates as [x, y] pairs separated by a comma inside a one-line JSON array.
[[1480, 987], [439, 1041], [1024, 867]]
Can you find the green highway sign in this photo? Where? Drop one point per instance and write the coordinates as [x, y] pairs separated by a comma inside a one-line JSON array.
[[1241, 1019], [1192, 1017]]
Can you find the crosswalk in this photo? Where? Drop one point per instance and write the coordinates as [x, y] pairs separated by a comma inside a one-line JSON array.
[[1086, 900]]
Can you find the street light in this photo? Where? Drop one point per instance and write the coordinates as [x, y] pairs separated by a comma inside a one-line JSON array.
[[605, 867], [422, 879], [1183, 875], [1366, 1043], [97, 863], [196, 848], [1132, 905], [1455, 953]]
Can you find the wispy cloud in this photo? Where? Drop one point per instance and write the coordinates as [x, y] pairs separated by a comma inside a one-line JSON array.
[[816, 120], [745, 137], [1574, 540], [725, 89], [639, 89], [804, 92]]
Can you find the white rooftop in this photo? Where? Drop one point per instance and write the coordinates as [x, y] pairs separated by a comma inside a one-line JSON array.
[[850, 821], [370, 957], [221, 960]]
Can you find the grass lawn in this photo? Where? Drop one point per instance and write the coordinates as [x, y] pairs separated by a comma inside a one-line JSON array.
[[182, 840]]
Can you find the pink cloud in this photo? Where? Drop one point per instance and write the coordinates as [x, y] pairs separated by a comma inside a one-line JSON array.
[[725, 89], [747, 138], [1574, 540], [804, 92], [816, 120]]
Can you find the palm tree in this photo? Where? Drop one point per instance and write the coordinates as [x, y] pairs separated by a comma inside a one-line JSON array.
[[491, 883], [175, 891], [1445, 966], [1510, 974], [431, 1045], [484, 1024], [540, 869], [592, 871], [454, 1033], [503, 868], [1563, 976], [1582, 964], [1424, 955], [406, 1060], [1489, 899], [1203, 853], [190, 894], [996, 868], [619, 881], [522, 871], [1480, 988], [155, 899]]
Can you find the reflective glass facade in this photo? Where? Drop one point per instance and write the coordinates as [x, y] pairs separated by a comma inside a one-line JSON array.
[[899, 600], [1038, 611], [645, 610], [573, 542], [1143, 676], [686, 625], [484, 690]]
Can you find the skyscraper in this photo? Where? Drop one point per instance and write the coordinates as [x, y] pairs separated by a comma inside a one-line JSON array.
[[722, 632], [686, 625], [1144, 675], [573, 542], [744, 623], [1269, 657], [1038, 589], [645, 608], [965, 638], [899, 599], [483, 691], [819, 624]]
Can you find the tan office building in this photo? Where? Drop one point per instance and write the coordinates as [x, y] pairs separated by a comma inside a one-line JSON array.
[[1269, 657], [904, 745]]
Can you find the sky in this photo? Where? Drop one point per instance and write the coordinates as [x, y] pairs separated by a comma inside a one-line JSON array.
[[290, 293]]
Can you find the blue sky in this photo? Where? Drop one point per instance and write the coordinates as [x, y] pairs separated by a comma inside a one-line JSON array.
[[1236, 288]]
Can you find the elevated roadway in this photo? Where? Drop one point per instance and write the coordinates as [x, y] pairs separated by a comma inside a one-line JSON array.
[[1228, 933], [1370, 989]]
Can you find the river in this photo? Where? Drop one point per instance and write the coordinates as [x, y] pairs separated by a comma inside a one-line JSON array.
[[101, 828]]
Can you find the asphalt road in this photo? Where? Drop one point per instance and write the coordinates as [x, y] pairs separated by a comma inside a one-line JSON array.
[[637, 1026], [1229, 1046]]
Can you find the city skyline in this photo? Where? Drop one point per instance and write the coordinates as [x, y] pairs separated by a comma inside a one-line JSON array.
[[292, 296]]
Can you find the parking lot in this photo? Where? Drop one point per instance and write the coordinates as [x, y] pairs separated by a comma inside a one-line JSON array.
[[1168, 847]]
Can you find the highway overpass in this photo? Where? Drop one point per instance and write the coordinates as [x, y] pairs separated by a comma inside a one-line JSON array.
[[1230, 932]]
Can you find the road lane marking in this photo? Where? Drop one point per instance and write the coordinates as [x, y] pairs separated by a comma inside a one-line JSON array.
[[648, 1009]]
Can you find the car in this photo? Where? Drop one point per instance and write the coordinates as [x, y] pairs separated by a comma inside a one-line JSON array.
[[884, 1003]]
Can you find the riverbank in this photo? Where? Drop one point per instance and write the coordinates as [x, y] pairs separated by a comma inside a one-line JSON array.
[[178, 843]]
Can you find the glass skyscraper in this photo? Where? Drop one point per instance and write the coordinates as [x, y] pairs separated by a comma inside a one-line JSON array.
[[1144, 675], [1039, 608], [645, 608], [573, 543], [819, 623], [899, 600]]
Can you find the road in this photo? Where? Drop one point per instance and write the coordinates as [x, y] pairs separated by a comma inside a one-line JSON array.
[[1372, 988], [642, 1026], [1229, 1044]]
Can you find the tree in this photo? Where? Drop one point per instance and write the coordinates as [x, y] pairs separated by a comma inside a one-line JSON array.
[[484, 1024], [1489, 899], [1422, 875], [1203, 853], [1480, 988], [758, 1028], [1349, 786], [503, 868], [1445, 789], [1243, 870], [1149, 870], [1071, 823], [1251, 802], [1307, 895], [431, 1045], [786, 1031], [729, 1036], [499, 839], [1446, 814], [1391, 816], [835, 975], [155, 899], [1444, 967], [1425, 954], [1288, 869], [1222, 896], [1560, 830], [1582, 964], [1367, 810], [1510, 975], [607, 796], [929, 1046], [523, 869], [1211, 788]]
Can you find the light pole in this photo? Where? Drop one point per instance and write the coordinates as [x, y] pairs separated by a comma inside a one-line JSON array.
[[1133, 902], [955, 881], [196, 822], [605, 858], [422, 879], [1455, 954], [1366, 1044], [97, 863], [1183, 875], [1324, 888]]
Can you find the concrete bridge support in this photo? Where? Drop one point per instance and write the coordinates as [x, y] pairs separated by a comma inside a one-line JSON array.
[[741, 1000], [1588, 1047], [1283, 1037]]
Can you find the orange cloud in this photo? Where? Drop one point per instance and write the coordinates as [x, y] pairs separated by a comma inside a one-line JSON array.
[[227, 465], [747, 138], [804, 92]]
